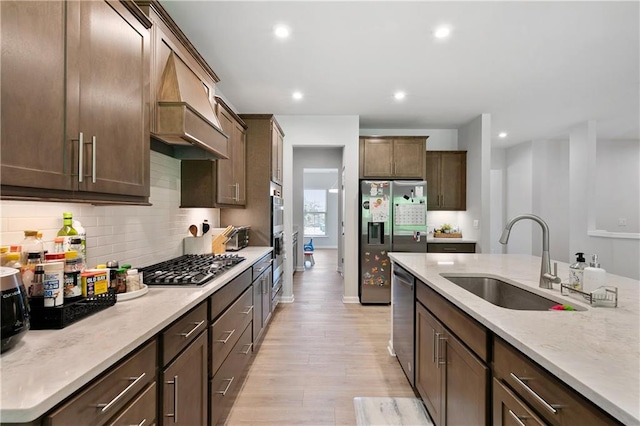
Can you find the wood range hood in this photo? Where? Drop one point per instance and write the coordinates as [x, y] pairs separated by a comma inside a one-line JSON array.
[[185, 119]]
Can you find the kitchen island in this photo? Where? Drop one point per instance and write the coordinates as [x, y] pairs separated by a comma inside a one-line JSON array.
[[596, 352], [48, 366]]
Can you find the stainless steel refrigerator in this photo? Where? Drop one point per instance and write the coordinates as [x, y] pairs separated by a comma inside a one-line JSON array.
[[393, 217]]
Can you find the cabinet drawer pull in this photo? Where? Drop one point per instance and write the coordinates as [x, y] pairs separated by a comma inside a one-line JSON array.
[[449, 248], [93, 159], [517, 418], [443, 339], [438, 349], [197, 325], [248, 349], [174, 382], [80, 157], [435, 344], [224, 392], [142, 423], [545, 404], [107, 406], [248, 311], [224, 342]]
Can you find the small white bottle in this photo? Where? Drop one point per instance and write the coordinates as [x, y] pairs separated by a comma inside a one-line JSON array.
[[594, 276]]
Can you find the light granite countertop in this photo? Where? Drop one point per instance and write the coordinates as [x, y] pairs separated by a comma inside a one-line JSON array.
[[48, 366], [596, 351]]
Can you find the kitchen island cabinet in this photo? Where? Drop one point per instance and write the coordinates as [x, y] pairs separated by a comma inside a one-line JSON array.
[[106, 339], [392, 157], [551, 352], [63, 137]]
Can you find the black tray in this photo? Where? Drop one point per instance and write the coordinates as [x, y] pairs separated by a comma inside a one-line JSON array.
[[46, 318]]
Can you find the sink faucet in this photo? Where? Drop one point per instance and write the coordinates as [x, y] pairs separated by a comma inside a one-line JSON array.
[[546, 277]]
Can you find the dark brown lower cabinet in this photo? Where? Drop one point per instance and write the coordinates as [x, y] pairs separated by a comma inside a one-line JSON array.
[[141, 411], [184, 386], [451, 380], [509, 410], [225, 384]]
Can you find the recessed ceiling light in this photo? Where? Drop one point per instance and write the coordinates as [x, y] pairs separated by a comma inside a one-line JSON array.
[[281, 31], [442, 32], [297, 96], [502, 135], [399, 96]]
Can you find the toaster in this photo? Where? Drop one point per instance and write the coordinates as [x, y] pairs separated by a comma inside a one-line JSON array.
[[239, 239]]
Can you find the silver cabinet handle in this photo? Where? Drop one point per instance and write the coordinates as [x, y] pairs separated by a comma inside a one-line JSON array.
[[228, 337], [248, 349], [545, 404], [516, 418], [449, 249], [141, 423], [438, 349], [197, 325], [93, 159], [224, 392], [435, 344], [248, 311], [444, 339], [107, 406], [174, 382], [80, 157]]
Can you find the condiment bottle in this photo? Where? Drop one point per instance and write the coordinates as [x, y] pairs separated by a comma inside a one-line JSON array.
[[72, 288], [31, 244], [36, 286], [29, 268], [13, 260], [53, 284], [67, 229]]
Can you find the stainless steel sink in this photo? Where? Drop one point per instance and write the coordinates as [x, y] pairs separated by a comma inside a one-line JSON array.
[[504, 294]]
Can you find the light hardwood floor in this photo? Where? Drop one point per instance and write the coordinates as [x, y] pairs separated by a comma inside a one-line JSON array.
[[318, 354]]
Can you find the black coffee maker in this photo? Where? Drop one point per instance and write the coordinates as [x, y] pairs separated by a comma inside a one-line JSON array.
[[14, 307]]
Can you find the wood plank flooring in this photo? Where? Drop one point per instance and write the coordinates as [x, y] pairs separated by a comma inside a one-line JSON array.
[[318, 354]]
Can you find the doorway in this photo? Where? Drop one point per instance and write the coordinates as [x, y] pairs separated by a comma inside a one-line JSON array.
[[317, 199]]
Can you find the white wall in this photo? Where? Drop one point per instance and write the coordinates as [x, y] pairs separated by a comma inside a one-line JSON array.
[[138, 235], [475, 138], [326, 131], [578, 185]]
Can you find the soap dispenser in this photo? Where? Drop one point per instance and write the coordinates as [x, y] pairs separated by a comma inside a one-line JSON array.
[[594, 276], [576, 271]]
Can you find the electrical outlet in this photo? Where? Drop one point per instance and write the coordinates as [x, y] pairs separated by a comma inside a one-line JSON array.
[[622, 221], [476, 223]]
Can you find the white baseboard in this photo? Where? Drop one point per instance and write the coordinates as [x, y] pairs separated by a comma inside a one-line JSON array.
[[350, 299], [288, 299]]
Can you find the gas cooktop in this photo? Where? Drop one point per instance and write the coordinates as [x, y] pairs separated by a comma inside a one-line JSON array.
[[189, 269]]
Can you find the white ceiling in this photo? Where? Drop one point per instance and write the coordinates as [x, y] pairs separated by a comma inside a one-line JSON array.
[[537, 67]]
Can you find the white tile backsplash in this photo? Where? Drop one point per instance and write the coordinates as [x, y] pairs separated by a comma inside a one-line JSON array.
[[138, 235]]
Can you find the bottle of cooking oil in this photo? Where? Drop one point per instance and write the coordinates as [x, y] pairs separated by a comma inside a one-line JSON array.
[[67, 230]]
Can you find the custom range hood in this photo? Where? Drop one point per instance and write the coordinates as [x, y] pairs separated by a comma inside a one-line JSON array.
[[185, 119]]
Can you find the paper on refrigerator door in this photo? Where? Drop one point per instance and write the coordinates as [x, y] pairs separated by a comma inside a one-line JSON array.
[[419, 192], [379, 208], [410, 214]]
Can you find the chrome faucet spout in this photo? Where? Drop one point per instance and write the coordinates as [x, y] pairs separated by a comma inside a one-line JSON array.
[[546, 277]]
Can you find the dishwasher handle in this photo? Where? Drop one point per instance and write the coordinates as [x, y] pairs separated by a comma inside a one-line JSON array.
[[403, 277]]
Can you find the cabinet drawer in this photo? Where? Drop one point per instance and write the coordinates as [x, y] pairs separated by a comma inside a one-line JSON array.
[[182, 332], [554, 401], [451, 247], [475, 336], [226, 331], [222, 298], [141, 411], [508, 409], [98, 403], [261, 265], [226, 383]]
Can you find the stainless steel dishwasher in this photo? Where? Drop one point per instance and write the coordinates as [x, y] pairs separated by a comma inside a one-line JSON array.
[[404, 320]]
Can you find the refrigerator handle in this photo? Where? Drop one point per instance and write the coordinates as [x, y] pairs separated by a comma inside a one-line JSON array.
[[375, 233]]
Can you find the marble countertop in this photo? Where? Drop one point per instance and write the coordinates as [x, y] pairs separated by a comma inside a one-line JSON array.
[[47, 366], [596, 351]]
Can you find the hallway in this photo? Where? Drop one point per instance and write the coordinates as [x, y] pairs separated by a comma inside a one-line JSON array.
[[318, 354]]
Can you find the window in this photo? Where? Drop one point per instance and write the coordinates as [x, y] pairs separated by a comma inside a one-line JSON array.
[[315, 212]]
